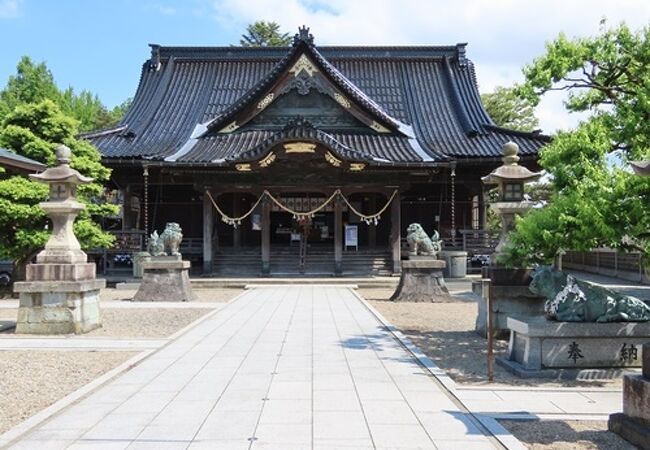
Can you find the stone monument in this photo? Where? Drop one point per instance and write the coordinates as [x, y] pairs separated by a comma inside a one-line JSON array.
[[165, 275], [509, 287], [60, 294], [421, 279], [600, 334]]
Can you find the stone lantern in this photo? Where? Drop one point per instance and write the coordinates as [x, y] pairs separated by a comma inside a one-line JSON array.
[[60, 294], [510, 179]]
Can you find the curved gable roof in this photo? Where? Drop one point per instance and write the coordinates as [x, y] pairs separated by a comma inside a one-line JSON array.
[[427, 97]]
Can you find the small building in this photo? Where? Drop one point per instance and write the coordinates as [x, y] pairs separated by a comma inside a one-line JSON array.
[[18, 164], [271, 132]]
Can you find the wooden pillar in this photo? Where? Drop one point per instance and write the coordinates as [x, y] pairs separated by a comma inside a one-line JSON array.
[[266, 236], [372, 229], [236, 211], [483, 208], [127, 211], [395, 233], [208, 224], [145, 206], [338, 237]]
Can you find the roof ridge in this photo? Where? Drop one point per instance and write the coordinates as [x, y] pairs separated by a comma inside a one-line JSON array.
[[332, 75], [537, 134]]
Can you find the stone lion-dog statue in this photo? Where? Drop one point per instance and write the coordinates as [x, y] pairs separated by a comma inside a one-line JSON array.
[[571, 300], [168, 242], [420, 243]]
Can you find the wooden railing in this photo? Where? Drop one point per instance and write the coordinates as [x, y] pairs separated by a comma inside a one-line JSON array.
[[119, 258], [628, 266], [473, 241]]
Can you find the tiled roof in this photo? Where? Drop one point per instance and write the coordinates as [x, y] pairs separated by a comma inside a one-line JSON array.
[[13, 160], [430, 92]]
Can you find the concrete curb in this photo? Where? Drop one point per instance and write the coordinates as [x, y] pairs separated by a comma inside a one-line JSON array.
[[503, 436], [431, 367]]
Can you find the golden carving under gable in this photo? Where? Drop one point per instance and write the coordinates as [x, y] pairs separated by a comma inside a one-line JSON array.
[[305, 64], [229, 128], [341, 100], [379, 128], [357, 167], [300, 147], [268, 159], [333, 160], [266, 101], [244, 167]]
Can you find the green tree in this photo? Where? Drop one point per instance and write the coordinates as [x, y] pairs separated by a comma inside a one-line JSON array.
[[34, 130], [594, 202], [34, 83], [510, 110], [264, 34]]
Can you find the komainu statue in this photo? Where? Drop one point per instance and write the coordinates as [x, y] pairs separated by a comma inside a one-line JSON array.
[[420, 243], [172, 237], [156, 247], [572, 300]]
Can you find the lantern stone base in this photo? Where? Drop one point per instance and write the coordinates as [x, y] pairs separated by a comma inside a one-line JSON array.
[[165, 279], [58, 307], [421, 280]]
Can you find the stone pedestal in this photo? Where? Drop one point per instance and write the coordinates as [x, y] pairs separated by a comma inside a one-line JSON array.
[[58, 307], [539, 347], [421, 280], [139, 258], [634, 423], [165, 279]]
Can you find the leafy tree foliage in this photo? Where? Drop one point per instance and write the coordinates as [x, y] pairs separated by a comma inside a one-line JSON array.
[[594, 203], [264, 34], [34, 130], [510, 110], [34, 83]]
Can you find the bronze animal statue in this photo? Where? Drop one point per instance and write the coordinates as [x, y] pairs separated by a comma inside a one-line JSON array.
[[571, 300], [172, 237], [420, 243], [156, 247]]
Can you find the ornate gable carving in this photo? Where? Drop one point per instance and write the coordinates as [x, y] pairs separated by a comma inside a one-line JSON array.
[[303, 64]]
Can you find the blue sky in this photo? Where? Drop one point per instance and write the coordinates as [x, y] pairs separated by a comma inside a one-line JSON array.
[[100, 45]]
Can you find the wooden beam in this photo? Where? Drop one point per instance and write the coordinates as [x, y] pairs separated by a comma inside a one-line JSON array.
[[395, 233], [372, 229], [266, 236], [208, 224], [236, 211], [338, 237]]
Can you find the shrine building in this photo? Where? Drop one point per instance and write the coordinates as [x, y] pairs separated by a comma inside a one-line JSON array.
[[305, 159]]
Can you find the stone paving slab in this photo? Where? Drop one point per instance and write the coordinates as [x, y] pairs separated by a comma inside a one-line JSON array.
[[278, 368]]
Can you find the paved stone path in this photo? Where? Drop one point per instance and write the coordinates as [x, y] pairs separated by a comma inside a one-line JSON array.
[[278, 368]]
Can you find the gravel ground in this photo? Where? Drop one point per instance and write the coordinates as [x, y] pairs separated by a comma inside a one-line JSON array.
[[445, 333], [137, 322], [146, 323], [33, 380], [559, 435], [217, 295]]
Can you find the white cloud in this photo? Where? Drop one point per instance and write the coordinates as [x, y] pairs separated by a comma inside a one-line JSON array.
[[503, 35], [9, 9], [166, 10]]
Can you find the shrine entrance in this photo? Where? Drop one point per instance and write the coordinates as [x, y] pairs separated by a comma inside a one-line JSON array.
[[311, 233]]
